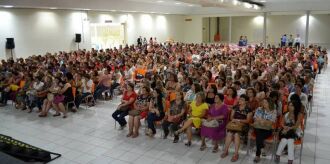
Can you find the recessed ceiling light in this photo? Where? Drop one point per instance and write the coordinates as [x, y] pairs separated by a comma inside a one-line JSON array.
[[235, 2], [178, 3], [8, 6]]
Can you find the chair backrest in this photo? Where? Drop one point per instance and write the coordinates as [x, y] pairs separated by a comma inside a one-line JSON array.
[[93, 88], [21, 83]]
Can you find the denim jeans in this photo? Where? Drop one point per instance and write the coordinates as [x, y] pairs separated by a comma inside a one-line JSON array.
[[98, 91], [152, 117]]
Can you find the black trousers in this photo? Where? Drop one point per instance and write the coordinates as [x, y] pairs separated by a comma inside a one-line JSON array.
[[166, 124], [119, 116], [297, 45], [261, 136]]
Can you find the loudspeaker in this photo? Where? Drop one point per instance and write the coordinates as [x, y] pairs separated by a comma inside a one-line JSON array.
[[24, 151], [78, 38], [10, 44]]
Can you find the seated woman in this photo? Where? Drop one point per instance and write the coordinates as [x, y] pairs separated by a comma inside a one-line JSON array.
[[210, 94], [127, 103], [253, 101], [240, 114], [139, 111], [64, 96], [174, 116], [191, 94], [290, 123], [264, 117], [218, 112], [86, 89], [197, 111], [156, 111], [52, 91], [231, 97]]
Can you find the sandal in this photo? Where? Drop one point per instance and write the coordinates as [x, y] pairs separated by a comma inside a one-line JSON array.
[[256, 160], [188, 143], [129, 134], [234, 158], [215, 149], [176, 139], [203, 147], [135, 135], [57, 114], [64, 116], [224, 154], [42, 115]]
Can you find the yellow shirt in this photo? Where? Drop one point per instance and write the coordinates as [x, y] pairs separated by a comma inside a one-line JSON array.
[[197, 113]]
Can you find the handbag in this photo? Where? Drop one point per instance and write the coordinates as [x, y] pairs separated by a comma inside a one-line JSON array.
[[134, 112], [235, 126], [210, 124]]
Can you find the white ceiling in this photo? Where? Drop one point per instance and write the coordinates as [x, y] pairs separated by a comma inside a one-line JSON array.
[[173, 6]]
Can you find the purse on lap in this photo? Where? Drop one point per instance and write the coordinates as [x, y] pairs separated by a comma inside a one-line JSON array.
[[210, 124], [235, 126]]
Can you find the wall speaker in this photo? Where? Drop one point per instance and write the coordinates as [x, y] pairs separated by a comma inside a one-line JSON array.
[[78, 38], [10, 44]]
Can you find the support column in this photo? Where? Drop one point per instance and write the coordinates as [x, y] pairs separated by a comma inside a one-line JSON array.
[[264, 36], [307, 28], [229, 35]]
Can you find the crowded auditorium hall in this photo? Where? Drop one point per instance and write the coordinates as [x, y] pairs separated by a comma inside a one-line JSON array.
[[164, 81]]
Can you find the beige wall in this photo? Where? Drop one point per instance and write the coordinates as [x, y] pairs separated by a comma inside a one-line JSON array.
[[319, 30], [193, 30]]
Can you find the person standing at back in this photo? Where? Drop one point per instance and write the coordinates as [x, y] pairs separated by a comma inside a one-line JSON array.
[[297, 42], [283, 40], [290, 41]]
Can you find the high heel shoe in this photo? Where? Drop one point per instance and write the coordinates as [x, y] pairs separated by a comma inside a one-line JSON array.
[[188, 143]]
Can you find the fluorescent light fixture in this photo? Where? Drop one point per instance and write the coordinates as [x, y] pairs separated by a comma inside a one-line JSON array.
[[178, 3], [256, 7], [160, 1], [191, 5], [87, 9], [113, 10], [235, 2], [8, 6], [262, 1], [247, 5], [53, 8]]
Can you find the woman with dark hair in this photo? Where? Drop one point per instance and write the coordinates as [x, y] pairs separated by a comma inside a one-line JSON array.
[[139, 111], [174, 116], [156, 111], [231, 97], [290, 123], [127, 103], [64, 96], [221, 85], [240, 114], [218, 113], [253, 102], [210, 94]]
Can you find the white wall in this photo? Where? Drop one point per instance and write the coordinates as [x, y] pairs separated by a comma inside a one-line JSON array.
[[319, 29], [39, 31], [193, 30]]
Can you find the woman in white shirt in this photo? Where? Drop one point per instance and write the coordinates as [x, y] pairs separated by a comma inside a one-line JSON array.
[[87, 86]]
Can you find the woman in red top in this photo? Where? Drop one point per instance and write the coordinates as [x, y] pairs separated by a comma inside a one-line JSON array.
[[127, 103], [231, 97]]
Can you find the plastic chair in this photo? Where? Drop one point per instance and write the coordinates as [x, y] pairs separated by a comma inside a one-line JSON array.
[[271, 140], [90, 98], [74, 91]]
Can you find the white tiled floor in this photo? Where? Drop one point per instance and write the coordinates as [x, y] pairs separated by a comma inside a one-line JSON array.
[[89, 136]]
